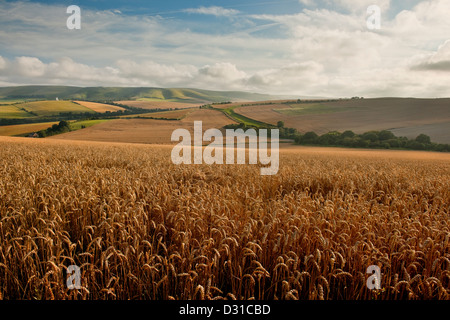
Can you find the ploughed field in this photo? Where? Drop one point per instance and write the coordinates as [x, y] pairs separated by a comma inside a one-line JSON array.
[[402, 116], [140, 227]]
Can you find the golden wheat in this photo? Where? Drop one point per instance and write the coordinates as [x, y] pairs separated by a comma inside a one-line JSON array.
[[140, 227]]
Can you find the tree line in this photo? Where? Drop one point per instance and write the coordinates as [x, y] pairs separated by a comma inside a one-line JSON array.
[[65, 116], [284, 133], [383, 139], [61, 127], [372, 139]]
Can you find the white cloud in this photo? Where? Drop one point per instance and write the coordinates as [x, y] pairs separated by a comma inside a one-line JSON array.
[[442, 54], [152, 71], [301, 78], [427, 24], [437, 61], [29, 67], [214, 10], [31, 70], [124, 72], [295, 77], [361, 5], [353, 6], [222, 70], [2, 63], [306, 2], [325, 50]]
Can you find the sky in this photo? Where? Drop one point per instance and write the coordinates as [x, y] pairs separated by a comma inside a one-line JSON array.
[[323, 48]]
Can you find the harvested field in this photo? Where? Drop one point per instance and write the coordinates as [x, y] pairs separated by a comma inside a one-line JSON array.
[[405, 115], [140, 227], [99, 107], [175, 114], [159, 104], [53, 107], [210, 118], [145, 130], [125, 130], [20, 129]]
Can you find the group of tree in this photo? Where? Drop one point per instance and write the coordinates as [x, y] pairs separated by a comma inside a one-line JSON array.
[[372, 139], [284, 133], [61, 127], [65, 116]]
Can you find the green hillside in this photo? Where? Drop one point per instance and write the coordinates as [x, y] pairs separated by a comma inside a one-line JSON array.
[[128, 93], [50, 108], [13, 112]]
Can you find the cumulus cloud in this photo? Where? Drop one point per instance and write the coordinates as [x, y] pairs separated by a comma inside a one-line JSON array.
[[31, 70], [290, 78], [302, 78], [152, 71], [438, 61], [29, 66], [324, 50], [222, 70], [124, 72]]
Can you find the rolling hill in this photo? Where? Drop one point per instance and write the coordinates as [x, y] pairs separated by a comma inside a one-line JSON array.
[[403, 116], [128, 93]]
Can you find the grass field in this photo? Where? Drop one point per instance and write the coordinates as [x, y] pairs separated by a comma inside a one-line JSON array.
[[178, 95], [77, 125], [13, 112], [11, 101], [126, 93], [309, 108], [140, 227], [99, 107], [175, 95], [21, 129], [49, 108]]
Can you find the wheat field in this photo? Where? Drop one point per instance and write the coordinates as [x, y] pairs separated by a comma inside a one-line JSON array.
[[19, 129], [140, 227]]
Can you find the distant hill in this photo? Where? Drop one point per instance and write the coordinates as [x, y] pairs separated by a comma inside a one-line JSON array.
[[130, 93], [407, 117]]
